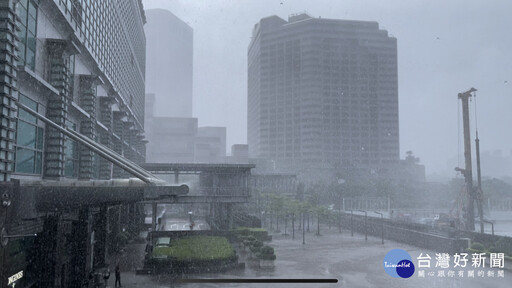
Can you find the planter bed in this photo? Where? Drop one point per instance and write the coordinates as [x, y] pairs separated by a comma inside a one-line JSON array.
[[194, 254]]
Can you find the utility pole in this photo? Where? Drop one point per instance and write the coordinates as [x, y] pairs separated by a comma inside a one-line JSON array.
[[470, 214]]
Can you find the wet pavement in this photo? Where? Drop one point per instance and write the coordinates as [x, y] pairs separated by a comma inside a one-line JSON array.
[[350, 260], [177, 224]]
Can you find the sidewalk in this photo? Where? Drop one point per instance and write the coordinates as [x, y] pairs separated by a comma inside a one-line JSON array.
[[130, 259]]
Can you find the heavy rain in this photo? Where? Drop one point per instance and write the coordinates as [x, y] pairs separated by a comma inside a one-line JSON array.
[[257, 143]]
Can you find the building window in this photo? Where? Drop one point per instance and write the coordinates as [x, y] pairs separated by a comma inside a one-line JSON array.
[[76, 12], [27, 12], [70, 154], [29, 140]]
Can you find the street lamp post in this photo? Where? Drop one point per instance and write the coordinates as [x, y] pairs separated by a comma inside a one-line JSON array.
[[382, 221], [191, 220], [340, 182], [365, 226], [352, 223], [303, 229], [339, 218]]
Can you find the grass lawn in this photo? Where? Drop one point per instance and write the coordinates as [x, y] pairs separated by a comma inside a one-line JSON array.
[[197, 248]]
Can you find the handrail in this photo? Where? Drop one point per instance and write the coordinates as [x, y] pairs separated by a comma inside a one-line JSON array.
[[100, 149], [113, 154]]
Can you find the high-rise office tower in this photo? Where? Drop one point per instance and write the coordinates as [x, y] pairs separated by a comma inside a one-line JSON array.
[[323, 94], [169, 54]]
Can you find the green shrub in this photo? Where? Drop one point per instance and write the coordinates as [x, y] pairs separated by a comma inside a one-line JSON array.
[[257, 243], [504, 246], [494, 250], [477, 246], [250, 229], [259, 233], [267, 250], [266, 256], [249, 240], [255, 249], [266, 253], [243, 232]]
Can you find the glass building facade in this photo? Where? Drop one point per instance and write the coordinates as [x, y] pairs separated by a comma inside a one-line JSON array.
[[112, 33], [77, 62], [29, 139], [27, 12]]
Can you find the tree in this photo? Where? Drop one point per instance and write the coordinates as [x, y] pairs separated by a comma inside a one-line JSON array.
[[321, 212]]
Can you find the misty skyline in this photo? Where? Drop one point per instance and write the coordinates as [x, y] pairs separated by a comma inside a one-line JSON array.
[[169, 44], [443, 48]]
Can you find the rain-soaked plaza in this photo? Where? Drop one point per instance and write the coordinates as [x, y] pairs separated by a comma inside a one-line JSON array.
[[333, 255], [149, 141]]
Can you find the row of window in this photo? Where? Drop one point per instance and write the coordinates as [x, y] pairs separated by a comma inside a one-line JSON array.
[[100, 23], [29, 140], [27, 12], [30, 143]]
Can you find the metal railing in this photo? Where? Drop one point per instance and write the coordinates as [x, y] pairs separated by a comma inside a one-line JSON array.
[[100, 149]]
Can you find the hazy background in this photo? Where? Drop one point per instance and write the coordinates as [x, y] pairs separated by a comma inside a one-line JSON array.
[[444, 47]]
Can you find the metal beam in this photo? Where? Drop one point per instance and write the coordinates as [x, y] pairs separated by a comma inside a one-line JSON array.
[[101, 150], [190, 199], [197, 167], [65, 198]]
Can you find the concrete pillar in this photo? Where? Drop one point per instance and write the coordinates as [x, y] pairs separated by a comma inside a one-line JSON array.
[[87, 100], [8, 86], [153, 215], [176, 176], [86, 217], [100, 235], [105, 137], [57, 108], [118, 146]]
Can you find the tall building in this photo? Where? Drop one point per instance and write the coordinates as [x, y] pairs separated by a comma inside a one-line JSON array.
[[82, 66], [323, 95], [79, 65], [169, 52]]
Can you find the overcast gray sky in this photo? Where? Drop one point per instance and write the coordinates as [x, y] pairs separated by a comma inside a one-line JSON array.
[[444, 47]]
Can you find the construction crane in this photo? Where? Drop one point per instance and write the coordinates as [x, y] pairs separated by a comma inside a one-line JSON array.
[[472, 193]]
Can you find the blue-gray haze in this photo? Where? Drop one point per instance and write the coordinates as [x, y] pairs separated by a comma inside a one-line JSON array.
[[444, 47]]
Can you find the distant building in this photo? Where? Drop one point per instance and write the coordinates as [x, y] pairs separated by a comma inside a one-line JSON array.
[[210, 145], [284, 184], [169, 54], [239, 154], [323, 95], [180, 140], [172, 140]]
